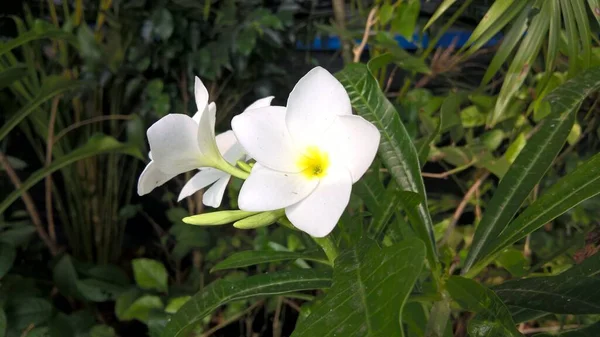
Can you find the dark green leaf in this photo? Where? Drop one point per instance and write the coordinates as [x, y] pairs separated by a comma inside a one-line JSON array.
[[533, 161], [562, 294], [52, 87], [9, 75], [3, 324], [140, 308], [253, 257], [224, 291], [96, 145], [439, 11], [102, 331], [150, 274], [568, 192], [28, 311], [48, 33], [8, 253], [493, 318], [366, 298], [396, 147]]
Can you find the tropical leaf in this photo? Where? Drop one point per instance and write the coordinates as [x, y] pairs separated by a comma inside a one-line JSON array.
[[533, 161], [366, 297], [396, 148], [223, 291], [254, 257]]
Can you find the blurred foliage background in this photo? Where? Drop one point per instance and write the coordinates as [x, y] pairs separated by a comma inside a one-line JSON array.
[[80, 81]]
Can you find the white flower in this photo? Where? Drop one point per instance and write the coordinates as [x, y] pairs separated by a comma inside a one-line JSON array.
[[179, 143], [308, 154], [232, 151]]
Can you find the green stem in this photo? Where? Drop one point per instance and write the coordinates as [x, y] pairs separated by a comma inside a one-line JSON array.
[[234, 171], [329, 247]]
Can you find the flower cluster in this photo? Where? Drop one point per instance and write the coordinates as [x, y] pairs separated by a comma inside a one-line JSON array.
[[306, 155]]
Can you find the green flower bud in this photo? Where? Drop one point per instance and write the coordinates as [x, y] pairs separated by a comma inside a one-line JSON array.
[[217, 218], [260, 220]]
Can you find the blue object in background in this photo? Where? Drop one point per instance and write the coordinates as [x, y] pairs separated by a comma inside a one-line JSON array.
[[459, 36]]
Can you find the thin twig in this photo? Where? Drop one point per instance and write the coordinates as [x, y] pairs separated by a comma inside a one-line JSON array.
[[461, 207], [339, 12], [448, 173], [232, 319], [31, 210], [28, 330], [556, 328], [292, 304], [276, 322], [358, 50], [92, 120], [48, 182]]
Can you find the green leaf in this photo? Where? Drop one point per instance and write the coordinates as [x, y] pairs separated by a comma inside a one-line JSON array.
[[96, 145], [515, 148], [150, 274], [533, 161], [162, 22], [366, 298], [35, 34], [438, 12], [28, 311], [385, 13], [253, 257], [176, 303], [9, 75], [497, 17], [3, 323], [102, 330], [521, 64], [406, 19], [572, 37], [370, 188], [396, 147], [140, 308], [493, 318], [8, 253], [51, 87], [399, 56], [581, 184], [562, 294], [224, 291], [512, 38], [583, 26], [588, 331]]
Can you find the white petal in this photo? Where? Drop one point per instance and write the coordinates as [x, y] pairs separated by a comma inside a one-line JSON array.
[[317, 99], [201, 95], [261, 103], [174, 145], [352, 142], [264, 136], [214, 195], [318, 213], [267, 190], [199, 181], [206, 134], [151, 178], [229, 147]]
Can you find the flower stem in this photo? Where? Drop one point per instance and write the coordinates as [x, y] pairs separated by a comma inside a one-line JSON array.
[[329, 247], [234, 171]]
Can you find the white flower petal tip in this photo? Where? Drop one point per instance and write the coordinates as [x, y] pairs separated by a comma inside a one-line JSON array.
[[214, 195], [151, 178], [200, 94], [261, 103]]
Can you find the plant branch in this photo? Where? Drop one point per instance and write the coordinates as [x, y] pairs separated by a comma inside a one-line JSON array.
[[232, 319], [48, 181], [371, 20], [31, 209]]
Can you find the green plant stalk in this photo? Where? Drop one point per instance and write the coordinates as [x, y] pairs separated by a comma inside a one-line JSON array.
[[224, 166], [329, 247]]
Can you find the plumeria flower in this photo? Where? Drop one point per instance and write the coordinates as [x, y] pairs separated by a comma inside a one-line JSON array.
[[232, 152], [307, 154], [180, 143]]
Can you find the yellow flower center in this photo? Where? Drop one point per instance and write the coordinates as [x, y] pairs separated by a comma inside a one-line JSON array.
[[314, 163]]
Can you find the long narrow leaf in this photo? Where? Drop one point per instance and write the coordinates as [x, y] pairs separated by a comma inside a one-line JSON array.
[[95, 146], [9, 75], [574, 188], [585, 35], [496, 18], [533, 161], [595, 7], [396, 148], [439, 12], [223, 291], [521, 65], [52, 88]]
